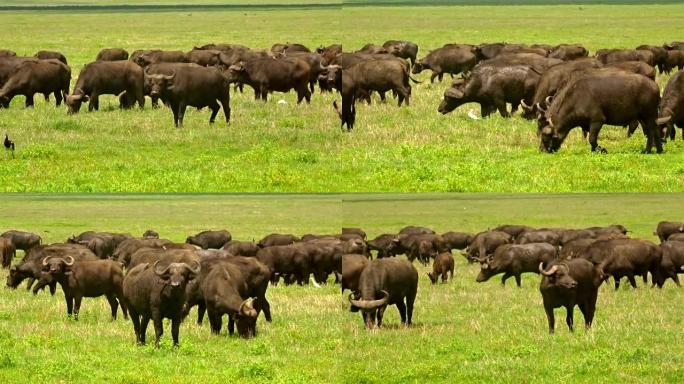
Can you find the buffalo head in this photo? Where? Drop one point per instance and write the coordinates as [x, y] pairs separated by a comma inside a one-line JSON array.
[[159, 83], [176, 275], [558, 275], [369, 308], [453, 98], [75, 100], [57, 266], [487, 269], [246, 318]]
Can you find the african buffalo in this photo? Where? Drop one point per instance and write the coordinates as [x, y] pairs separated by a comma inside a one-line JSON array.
[[7, 252], [106, 78], [210, 239], [401, 48], [671, 109], [22, 240], [51, 55], [112, 54], [442, 266], [666, 228], [41, 76], [514, 260], [266, 75], [449, 59]]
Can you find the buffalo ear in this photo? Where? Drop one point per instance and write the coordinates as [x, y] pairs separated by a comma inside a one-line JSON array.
[[453, 93]]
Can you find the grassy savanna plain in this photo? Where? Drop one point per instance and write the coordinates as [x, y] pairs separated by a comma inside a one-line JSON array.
[[463, 331], [285, 147]]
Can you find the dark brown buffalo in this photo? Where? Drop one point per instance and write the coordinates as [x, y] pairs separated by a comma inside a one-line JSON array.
[[289, 48], [266, 75], [638, 67], [225, 291], [288, 261], [210, 239], [401, 48], [626, 258], [608, 56], [329, 52], [380, 76], [671, 108], [514, 230], [150, 255], [112, 54], [7, 252], [450, 59], [485, 243], [241, 248], [672, 263], [666, 228], [570, 283], [127, 248], [567, 52], [40, 76], [457, 240], [22, 240], [204, 57], [106, 78], [385, 245], [80, 279], [51, 55], [224, 47], [602, 96], [345, 84], [192, 86], [277, 239], [157, 292], [675, 59], [539, 236], [354, 231], [514, 260], [442, 266], [659, 56], [352, 266], [414, 230], [386, 282], [157, 56], [316, 66]]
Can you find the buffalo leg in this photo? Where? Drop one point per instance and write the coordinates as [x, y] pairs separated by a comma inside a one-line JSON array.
[[135, 318], [445, 277], [632, 280], [114, 304], [505, 277], [410, 299], [631, 128], [433, 76], [215, 321], [143, 328], [214, 111], [77, 305], [675, 278], [69, 304], [174, 109], [29, 101], [501, 107], [569, 317], [58, 98], [380, 314], [201, 309], [181, 114], [225, 103], [158, 326], [29, 283], [231, 325], [594, 129], [550, 317], [175, 327], [617, 282], [517, 280], [402, 311], [262, 304], [53, 288]]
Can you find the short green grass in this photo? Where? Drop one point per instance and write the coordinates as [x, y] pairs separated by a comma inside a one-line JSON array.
[[463, 331], [300, 148]]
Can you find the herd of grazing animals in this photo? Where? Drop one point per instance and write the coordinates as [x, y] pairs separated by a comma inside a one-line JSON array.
[[152, 278], [560, 86]]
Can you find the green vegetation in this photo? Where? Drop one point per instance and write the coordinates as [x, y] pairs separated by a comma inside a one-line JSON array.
[[291, 148], [463, 331]]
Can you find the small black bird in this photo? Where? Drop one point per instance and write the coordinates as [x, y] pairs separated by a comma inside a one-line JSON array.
[[9, 145]]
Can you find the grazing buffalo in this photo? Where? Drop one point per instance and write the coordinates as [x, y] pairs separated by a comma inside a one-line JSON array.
[[413, 230], [266, 75], [112, 54], [51, 55], [80, 279], [225, 291], [672, 262], [626, 258], [570, 283], [241, 248], [675, 59], [539, 236], [568, 52], [157, 56], [452, 59], [514, 230], [404, 49], [671, 109], [352, 266], [443, 266], [210, 239], [157, 292], [608, 56], [204, 57], [40, 76], [638, 67], [514, 260], [277, 239], [485, 243], [457, 240], [193, 86], [602, 96], [287, 261], [386, 282], [106, 78], [150, 255], [667, 228], [380, 75], [385, 245], [289, 48], [23, 240], [7, 252], [659, 56]]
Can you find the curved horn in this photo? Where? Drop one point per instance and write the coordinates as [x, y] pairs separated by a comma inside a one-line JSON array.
[[246, 308], [550, 272], [548, 100], [158, 272], [369, 304], [526, 106], [170, 77], [539, 107], [196, 270], [663, 120], [45, 260], [147, 71], [69, 260]]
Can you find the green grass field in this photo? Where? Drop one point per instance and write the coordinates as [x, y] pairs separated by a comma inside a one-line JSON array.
[[293, 148], [463, 331]]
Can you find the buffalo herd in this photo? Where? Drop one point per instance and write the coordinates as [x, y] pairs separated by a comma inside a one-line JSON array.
[[560, 86], [152, 278]]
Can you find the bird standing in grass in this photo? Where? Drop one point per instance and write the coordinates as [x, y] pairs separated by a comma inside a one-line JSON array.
[[9, 145]]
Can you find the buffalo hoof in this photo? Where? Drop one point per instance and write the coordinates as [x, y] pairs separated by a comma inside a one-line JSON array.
[[600, 149]]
